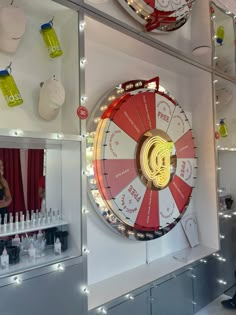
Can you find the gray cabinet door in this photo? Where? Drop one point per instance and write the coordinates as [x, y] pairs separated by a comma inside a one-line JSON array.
[[138, 306], [205, 285], [54, 293], [173, 296]]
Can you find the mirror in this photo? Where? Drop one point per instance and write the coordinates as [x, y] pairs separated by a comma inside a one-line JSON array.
[[223, 16], [30, 182], [22, 181], [226, 142]]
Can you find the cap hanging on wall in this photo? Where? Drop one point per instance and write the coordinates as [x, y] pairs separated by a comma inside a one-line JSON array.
[[12, 28], [200, 33], [51, 99]]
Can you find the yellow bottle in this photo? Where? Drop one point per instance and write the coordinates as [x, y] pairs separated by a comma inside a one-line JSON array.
[[220, 35], [223, 129], [9, 89], [51, 40]]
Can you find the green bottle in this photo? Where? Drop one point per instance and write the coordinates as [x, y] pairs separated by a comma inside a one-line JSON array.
[[51, 40], [223, 128], [9, 89]]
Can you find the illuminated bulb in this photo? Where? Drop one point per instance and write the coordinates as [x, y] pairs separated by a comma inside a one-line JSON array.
[[234, 213], [215, 81], [84, 99], [86, 173], [216, 255], [130, 232], [102, 108], [194, 303], [222, 282], [86, 250], [221, 259], [121, 227], [102, 310], [60, 267], [16, 132], [111, 98], [213, 17], [82, 26], [85, 211], [138, 84], [214, 37], [140, 235], [219, 168], [60, 135], [149, 235], [129, 296], [85, 290], [194, 277], [17, 280], [222, 236], [96, 120], [120, 91], [203, 261], [83, 61], [228, 12]]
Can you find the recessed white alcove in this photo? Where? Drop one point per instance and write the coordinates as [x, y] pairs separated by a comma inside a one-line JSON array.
[[114, 58]]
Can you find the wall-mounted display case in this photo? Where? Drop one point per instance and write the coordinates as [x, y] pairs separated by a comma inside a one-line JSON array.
[[40, 138]]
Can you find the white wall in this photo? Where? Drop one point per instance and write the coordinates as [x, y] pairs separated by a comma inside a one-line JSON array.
[[115, 58]]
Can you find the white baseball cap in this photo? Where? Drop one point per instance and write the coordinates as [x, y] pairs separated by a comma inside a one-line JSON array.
[[51, 99], [12, 28]]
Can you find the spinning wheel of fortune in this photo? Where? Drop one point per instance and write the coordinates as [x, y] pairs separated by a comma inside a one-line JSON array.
[[142, 160]]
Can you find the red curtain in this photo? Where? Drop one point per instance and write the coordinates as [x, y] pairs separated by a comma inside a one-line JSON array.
[[34, 173], [12, 174]]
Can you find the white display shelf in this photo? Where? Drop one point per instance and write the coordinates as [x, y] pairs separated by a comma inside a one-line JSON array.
[[26, 264], [105, 291], [14, 231]]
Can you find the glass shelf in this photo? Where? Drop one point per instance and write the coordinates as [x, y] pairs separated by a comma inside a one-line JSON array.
[[13, 230], [27, 264]]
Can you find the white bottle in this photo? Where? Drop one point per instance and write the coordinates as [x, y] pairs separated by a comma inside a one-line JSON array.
[[57, 247], [4, 259], [22, 221], [5, 222], [11, 222], [40, 236], [16, 221], [31, 251]]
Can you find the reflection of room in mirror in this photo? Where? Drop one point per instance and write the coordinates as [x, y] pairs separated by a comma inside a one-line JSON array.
[[224, 29], [225, 109], [24, 172]]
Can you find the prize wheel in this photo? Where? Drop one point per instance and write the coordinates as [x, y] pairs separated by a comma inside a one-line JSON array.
[[142, 160], [161, 15]]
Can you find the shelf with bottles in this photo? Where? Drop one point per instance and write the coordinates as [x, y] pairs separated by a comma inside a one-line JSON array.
[[173, 24], [39, 91], [32, 221], [28, 251]]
